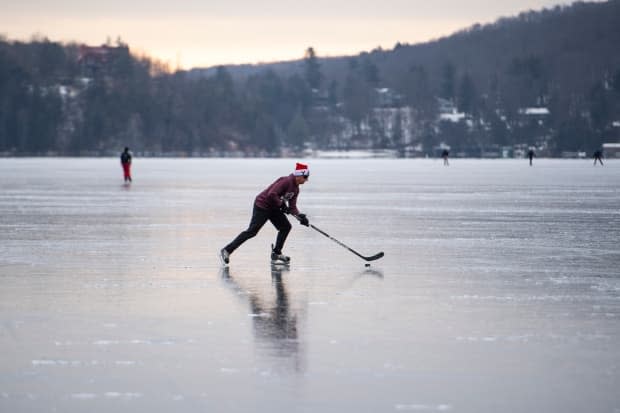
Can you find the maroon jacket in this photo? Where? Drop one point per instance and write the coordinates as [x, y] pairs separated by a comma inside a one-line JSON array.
[[283, 189]]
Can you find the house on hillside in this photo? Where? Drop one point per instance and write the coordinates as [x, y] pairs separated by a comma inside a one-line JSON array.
[[536, 114], [320, 100], [611, 150], [448, 111], [394, 124], [387, 98], [94, 58]]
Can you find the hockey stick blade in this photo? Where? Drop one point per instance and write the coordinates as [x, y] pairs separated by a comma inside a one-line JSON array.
[[374, 257]]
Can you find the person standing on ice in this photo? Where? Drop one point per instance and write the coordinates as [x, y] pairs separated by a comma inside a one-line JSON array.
[[531, 155], [126, 164], [598, 156], [277, 199], [444, 155]]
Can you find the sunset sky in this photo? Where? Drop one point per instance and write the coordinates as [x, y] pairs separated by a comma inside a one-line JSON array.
[[201, 33]]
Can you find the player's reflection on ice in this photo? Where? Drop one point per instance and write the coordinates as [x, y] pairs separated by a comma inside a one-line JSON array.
[[274, 322]]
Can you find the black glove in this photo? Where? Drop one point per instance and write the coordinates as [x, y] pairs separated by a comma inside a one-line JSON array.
[[303, 220], [284, 208]]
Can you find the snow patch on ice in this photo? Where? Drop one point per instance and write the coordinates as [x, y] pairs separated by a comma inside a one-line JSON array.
[[125, 362], [65, 343], [122, 395], [474, 339], [531, 298], [164, 341], [78, 363], [259, 315], [84, 396], [105, 342], [424, 407], [37, 363], [229, 370]]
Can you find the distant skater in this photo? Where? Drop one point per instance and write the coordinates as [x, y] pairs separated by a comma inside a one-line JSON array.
[[126, 164], [270, 205], [598, 156], [444, 155], [531, 155]]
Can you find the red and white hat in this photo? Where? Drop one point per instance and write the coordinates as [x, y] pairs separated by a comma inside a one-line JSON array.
[[301, 170]]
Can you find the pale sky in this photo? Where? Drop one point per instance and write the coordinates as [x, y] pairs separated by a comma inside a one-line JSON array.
[[201, 33]]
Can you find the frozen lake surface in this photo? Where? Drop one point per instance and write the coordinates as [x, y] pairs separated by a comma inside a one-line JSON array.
[[499, 290]]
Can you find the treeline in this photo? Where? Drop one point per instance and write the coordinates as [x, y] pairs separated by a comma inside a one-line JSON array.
[[563, 60], [51, 102]]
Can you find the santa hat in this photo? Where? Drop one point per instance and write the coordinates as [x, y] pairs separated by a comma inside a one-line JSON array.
[[301, 170]]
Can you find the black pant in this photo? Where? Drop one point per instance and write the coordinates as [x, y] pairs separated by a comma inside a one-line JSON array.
[[259, 217]]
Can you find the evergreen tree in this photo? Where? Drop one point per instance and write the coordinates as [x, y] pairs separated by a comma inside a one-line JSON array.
[[466, 98], [357, 99], [312, 69], [448, 80], [298, 131]]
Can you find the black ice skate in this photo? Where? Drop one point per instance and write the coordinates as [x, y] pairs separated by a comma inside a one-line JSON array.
[[224, 256], [279, 258]]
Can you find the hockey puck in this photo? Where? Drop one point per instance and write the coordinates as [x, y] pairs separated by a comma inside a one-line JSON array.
[[367, 265]]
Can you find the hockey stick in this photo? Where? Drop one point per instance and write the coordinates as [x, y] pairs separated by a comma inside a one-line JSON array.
[[371, 258]]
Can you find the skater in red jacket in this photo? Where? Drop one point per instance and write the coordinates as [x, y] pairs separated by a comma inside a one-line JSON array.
[[126, 164]]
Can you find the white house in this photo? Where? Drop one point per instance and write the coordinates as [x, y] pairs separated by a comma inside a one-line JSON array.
[[611, 150]]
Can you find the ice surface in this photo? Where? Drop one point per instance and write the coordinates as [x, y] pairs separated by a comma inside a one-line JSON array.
[[499, 290]]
